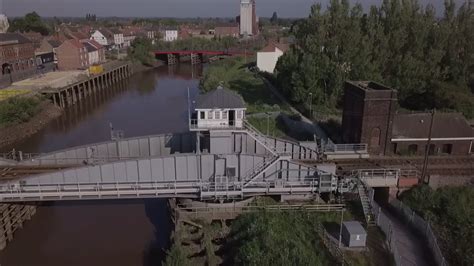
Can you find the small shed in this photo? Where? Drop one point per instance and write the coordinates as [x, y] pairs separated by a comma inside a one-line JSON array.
[[353, 234]]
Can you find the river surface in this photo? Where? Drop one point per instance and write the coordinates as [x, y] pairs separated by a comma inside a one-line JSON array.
[[128, 232]]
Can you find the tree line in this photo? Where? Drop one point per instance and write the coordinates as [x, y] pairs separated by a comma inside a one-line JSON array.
[[429, 60]]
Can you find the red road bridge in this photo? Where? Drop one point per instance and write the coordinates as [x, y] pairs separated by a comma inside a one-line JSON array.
[[196, 56]]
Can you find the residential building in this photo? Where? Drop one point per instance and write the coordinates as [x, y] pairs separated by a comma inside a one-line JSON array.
[[248, 18], [49, 46], [267, 58], [129, 34], [92, 53], [230, 30], [34, 37], [104, 37], [118, 38], [171, 35], [100, 50], [17, 58], [370, 116], [72, 55]]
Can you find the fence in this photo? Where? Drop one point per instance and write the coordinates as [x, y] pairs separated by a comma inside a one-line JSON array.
[[422, 226], [384, 223]]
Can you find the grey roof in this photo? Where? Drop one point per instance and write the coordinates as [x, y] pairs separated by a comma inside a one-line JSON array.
[[220, 98], [445, 125], [89, 47], [354, 227], [12, 38]]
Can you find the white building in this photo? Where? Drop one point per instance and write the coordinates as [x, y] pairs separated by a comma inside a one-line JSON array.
[[93, 53], [171, 35], [218, 109], [267, 58], [101, 38], [118, 38], [246, 17]]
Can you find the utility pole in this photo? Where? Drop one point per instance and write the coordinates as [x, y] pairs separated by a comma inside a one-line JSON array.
[[427, 148], [311, 105]]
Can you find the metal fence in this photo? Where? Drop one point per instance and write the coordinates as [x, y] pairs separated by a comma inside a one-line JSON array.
[[384, 223], [422, 226], [362, 148]]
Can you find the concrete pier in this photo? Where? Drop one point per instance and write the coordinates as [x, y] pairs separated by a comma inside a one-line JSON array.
[[12, 217], [74, 93]]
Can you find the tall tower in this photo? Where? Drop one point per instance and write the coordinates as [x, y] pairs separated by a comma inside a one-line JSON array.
[[247, 13], [369, 109]]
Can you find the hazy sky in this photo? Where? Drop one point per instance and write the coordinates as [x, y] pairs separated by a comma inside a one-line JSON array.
[[168, 8]]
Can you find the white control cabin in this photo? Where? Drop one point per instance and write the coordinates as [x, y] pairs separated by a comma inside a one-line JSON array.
[[218, 109]]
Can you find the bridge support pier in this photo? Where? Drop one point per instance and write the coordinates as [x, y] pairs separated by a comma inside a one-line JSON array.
[[172, 59], [12, 217], [196, 59]]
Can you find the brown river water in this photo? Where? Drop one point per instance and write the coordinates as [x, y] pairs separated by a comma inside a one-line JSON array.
[[120, 232]]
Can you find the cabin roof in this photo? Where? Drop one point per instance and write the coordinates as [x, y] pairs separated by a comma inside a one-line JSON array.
[[220, 98]]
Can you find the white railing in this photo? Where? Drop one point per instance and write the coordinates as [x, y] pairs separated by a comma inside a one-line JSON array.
[[342, 148], [193, 124], [17, 191]]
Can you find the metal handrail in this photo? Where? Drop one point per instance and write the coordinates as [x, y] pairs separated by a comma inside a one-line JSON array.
[[357, 147]]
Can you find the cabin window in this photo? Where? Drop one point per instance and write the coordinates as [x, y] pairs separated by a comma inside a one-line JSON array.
[[231, 171], [239, 114], [209, 115], [447, 148], [224, 114], [217, 114], [203, 115]]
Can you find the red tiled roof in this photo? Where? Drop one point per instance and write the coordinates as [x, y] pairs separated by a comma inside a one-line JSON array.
[[75, 43]]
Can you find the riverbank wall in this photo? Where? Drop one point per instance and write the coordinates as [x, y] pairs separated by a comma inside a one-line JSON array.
[[12, 218], [74, 93]]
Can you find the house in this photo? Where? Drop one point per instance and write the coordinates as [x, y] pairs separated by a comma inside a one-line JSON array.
[[370, 116], [103, 37], [129, 34], [72, 55], [218, 109], [93, 53], [34, 37], [450, 134], [49, 46], [100, 50], [230, 30], [17, 58], [118, 38], [267, 58], [171, 35]]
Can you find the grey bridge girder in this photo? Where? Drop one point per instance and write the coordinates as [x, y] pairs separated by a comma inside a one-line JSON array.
[[179, 175], [160, 145]]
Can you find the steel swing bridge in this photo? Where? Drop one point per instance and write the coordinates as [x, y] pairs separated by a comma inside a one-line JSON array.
[[168, 165]]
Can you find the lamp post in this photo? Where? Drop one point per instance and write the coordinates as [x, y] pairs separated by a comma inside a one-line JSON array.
[[268, 123], [427, 148], [311, 105]]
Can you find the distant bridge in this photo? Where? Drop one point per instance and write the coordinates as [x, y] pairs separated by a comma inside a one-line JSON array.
[[196, 56]]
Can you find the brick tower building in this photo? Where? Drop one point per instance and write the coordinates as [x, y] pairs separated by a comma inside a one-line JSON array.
[[368, 115]]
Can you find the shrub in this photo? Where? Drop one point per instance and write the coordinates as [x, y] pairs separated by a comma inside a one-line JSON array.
[[18, 110]]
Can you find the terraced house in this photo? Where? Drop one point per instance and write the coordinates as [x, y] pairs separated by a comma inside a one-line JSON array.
[[17, 58]]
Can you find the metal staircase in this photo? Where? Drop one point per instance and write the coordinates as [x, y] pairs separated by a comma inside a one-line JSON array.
[[365, 201], [260, 138], [259, 170]]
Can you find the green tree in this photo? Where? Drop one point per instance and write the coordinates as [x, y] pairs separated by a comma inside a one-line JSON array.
[[401, 44], [141, 50], [31, 22]]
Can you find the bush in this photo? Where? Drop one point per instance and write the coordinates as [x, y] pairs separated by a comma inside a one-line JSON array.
[[18, 110]]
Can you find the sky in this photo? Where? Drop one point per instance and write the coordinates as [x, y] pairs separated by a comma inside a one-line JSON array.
[[168, 8]]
